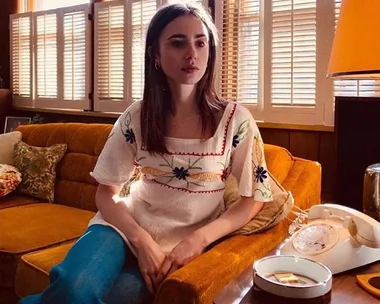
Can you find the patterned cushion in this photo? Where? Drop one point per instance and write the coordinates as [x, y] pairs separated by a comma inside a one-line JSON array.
[[273, 211], [10, 177], [38, 168]]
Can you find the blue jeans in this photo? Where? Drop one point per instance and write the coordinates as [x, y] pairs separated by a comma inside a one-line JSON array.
[[98, 269]]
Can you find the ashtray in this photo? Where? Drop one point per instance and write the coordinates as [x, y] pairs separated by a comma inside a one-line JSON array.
[[291, 279]]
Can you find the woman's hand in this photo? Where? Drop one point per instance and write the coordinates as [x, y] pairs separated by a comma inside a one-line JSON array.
[[186, 251], [150, 258]]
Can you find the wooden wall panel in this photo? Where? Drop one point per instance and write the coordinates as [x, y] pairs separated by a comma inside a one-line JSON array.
[[304, 144], [328, 160], [276, 137], [5, 106], [314, 145], [7, 7]]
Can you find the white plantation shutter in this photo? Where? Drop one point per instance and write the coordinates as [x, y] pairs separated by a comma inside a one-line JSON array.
[[294, 34], [294, 89], [363, 88], [110, 57], [142, 13], [21, 59], [76, 57], [240, 44], [46, 52], [62, 64]]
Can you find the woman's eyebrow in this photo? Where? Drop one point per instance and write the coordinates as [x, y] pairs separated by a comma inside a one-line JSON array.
[[183, 36]]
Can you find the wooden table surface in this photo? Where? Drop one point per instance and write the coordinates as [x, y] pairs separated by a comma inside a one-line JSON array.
[[345, 289]]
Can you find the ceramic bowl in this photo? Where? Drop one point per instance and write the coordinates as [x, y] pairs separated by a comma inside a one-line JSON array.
[[315, 279]]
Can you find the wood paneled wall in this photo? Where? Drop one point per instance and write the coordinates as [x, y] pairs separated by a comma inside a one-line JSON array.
[[5, 106], [7, 7], [314, 145]]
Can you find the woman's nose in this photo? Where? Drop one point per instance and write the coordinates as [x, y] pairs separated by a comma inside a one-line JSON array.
[[191, 52]]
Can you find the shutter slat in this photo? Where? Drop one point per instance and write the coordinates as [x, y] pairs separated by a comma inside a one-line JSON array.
[[21, 48], [142, 12], [239, 78], [110, 50], [74, 66], [293, 52], [46, 55]]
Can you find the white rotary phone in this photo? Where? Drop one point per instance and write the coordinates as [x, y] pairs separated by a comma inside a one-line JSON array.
[[339, 237]]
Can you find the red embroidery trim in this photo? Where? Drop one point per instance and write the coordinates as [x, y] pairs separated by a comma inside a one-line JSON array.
[[187, 190]]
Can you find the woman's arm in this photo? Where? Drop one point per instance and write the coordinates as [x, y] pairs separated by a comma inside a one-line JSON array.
[[115, 212], [234, 218]]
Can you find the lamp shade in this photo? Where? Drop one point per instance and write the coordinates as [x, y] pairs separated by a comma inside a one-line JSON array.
[[356, 48]]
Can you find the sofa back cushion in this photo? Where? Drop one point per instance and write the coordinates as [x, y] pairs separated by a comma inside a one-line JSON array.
[[279, 161], [74, 185]]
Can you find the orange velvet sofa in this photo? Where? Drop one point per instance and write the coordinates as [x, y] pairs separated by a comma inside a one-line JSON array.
[[35, 235]]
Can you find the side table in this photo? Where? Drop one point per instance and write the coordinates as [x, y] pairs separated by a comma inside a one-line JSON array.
[[345, 288]]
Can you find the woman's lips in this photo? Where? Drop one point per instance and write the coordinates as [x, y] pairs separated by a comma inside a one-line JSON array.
[[190, 70]]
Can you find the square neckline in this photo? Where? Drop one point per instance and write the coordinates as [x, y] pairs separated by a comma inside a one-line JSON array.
[[221, 123]]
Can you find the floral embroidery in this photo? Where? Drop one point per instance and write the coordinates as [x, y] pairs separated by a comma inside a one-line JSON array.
[[128, 132], [260, 174], [181, 173], [130, 136], [241, 133], [235, 141], [226, 167]]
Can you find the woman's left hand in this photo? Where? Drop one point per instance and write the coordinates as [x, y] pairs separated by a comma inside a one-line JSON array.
[[186, 251]]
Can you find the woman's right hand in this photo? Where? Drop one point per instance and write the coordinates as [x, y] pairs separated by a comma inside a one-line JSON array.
[[150, 258]]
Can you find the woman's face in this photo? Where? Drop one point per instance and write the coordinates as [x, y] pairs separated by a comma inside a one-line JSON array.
[[184, 50]]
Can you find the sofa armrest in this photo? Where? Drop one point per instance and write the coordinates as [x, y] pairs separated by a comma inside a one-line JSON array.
[[305, 182], [202, 279]]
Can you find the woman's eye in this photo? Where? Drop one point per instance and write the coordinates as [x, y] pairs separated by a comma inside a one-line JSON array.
[[200, 44], [177, 44]]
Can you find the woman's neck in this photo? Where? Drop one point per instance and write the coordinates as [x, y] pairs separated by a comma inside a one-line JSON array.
[[184, 100]]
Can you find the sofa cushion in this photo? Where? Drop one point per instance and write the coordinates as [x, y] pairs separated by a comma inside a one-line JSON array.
[[10, 177], [74, 185], [273, 211], [36, 226], [7, 143], [14, 199], [33, 269], [279, 161], [38, 168]]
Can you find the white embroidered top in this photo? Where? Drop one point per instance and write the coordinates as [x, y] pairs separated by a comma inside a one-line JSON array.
[[181, 191]]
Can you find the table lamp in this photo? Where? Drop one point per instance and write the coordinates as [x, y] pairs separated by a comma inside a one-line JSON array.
[[356, 55], [356, 49]]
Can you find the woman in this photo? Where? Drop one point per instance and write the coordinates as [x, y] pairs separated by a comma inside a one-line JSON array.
[[185, 141]]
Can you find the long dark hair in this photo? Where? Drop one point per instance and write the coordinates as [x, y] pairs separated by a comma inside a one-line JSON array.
[[157, 103]]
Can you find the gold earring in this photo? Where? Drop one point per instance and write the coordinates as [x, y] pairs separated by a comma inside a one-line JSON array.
[[157, 65]]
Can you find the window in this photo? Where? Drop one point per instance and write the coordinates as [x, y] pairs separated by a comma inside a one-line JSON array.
[[50, 65], [274, 56]]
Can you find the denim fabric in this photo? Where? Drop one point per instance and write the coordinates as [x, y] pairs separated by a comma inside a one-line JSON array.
[[96, 270]]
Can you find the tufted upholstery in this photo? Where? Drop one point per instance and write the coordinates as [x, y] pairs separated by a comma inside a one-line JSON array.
[[34, 237], [74, 187]]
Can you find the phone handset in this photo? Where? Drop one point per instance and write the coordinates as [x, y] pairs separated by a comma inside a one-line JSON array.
[[363, 228]]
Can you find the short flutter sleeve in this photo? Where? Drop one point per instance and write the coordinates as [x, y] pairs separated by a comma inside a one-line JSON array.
[[116, 161], [248, 160]]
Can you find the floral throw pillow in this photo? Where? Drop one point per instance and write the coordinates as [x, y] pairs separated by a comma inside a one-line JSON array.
[[10, 178], [38, 168]]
